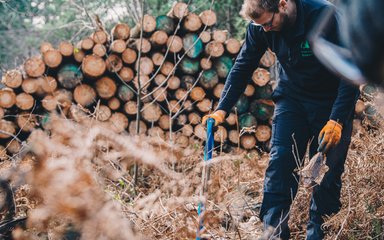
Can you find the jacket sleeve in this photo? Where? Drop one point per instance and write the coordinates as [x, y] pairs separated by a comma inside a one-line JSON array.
[[246, 62]]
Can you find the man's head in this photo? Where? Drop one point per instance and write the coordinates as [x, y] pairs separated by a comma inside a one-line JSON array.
[[272, 15]]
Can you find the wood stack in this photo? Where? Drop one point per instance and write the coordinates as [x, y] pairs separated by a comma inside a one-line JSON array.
[[179, 75]]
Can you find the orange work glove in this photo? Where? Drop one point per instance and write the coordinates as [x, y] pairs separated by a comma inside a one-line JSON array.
[[219, 117], [329, 136]]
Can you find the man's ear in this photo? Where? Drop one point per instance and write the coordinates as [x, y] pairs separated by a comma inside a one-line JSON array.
[[283, 4]]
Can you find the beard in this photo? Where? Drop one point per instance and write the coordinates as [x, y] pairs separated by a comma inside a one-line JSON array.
[[285, 22]]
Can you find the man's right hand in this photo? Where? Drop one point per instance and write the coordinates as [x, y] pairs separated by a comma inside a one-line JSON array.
[[219, 117]]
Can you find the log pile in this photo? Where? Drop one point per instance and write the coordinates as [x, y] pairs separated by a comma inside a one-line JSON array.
[[170, 68]]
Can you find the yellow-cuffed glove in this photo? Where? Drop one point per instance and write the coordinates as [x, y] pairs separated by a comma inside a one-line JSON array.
[[219, 117], [329, 136]]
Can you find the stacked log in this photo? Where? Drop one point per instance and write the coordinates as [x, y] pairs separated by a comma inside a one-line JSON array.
[[179, 76]]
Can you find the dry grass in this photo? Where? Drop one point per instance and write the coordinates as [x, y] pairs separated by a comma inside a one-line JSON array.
[[79, 178]]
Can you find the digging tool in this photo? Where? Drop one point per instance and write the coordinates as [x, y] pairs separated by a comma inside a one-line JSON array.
[[315, 170], [208, 149]]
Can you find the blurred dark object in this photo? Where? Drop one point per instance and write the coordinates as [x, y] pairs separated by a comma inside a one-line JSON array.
[[360, 56]]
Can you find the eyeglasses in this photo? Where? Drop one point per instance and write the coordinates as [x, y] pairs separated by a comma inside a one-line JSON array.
[[267, 24]]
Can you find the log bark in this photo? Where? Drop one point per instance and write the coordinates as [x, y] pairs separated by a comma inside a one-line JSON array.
[[214, 49], [178, 10], [129, 56], [159, 38], [24, 101], [192, 22], [118, 46], [208, 17], [114, 103], [103, 113], [66, 49], [132, 128], [209, 79], [248, 141], [12, 79], [126, 74], [261, 77], [223, 66], [7, 129], [7, 98], [175, 44], [114, 63], [151, 112], [165, 24], [130, 107], [34, 67], [192, 45], [121, 31], [52, 58], [100, 37], [93, 66], [105, 87], [84, 95], [118, 122], [263, 133], [197, 94], [194, 118]]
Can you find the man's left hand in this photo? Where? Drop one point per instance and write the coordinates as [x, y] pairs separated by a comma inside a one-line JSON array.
[[329, 136]]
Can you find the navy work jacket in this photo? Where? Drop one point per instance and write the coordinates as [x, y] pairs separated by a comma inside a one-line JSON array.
[[302, 76]]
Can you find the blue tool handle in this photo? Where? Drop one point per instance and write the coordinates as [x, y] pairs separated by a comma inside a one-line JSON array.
[[210, 139]]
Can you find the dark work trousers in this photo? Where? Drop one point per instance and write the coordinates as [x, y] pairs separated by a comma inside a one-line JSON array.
[[295, 125]]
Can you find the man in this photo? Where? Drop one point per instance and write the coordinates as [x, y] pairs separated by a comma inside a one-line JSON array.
[[309, 102]]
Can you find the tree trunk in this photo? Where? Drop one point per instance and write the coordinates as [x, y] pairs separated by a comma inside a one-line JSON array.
[[208, 17], [247, 120], [130, 108], [268, 59], [223, 66], [34, 67], [262, 109], [197, 94], [233, 46], [194, 118], [103, 113], [205, 36], [189, 66], [220, 134], [100, 37], [7, 129], [209, 79], [192, 23], [12, 79], [160, 94], [132, 128], [173, 83], [157, 58], [93, 66], [192, 45], [187, 130], [66, 49], [175, 44], [26, 122], [126, 74], [164, 122], [114, 103], [151, 112], [249, 91], [118, 122], [167, 68], [261, 77], [24, 101], [263, 133], [121, 31], [87, 44], [48, 84], [205, 63], [105, 87], [7, 98], [129, 56], [113, 63], [146, 66], [156, 132], [118, 46], [214, 49], [159, 38], [242, 104], [179, 10], [165, 24], [84, 95], [220, 35]]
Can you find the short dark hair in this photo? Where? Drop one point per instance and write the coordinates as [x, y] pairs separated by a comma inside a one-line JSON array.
[[252, 9]]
